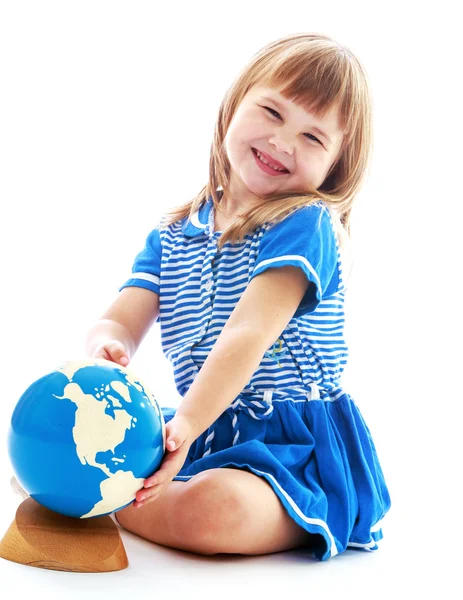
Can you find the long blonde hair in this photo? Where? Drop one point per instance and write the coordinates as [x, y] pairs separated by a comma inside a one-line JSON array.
[[317, 73]]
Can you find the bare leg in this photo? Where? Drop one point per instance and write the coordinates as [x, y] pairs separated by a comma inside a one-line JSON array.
[[217, 511]]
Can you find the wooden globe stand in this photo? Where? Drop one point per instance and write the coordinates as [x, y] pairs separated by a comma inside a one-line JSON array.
[[39, 537]]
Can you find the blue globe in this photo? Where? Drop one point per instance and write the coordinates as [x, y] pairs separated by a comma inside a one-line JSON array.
[[84, 438]]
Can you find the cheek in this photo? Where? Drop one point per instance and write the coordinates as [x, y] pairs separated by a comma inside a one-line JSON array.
[[256, 129], [232, 138], [229, 143], [311, 169], [313, 161], [237, 141], [246, 129]]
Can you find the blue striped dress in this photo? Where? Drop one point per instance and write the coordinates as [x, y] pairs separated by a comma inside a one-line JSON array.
[[293, 423]]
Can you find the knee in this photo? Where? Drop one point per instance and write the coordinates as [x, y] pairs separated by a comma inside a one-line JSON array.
[[207, 513]]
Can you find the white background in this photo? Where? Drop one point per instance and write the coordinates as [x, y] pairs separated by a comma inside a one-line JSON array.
[[106, 117]]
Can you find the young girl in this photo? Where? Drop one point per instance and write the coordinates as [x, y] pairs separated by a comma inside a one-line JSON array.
[[266, 451]]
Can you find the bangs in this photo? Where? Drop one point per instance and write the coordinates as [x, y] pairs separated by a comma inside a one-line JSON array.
[[317, 82], [319, 75]]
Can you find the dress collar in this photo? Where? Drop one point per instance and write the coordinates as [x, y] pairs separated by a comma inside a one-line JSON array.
[[200, 221]]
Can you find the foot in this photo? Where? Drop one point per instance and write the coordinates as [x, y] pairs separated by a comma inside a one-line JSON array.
[[114, 518], [18, 489]]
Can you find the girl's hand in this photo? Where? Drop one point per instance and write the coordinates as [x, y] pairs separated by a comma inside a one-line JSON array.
[[114, 351], [179, 437]]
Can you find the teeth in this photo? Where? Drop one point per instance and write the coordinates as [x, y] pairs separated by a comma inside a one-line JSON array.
[[260, 157]]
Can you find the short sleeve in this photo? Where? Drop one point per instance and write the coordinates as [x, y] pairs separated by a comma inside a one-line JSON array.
[[304, 239], [147, 265]]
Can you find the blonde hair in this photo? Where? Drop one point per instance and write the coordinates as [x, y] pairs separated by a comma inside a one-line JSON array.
[[317, 73]]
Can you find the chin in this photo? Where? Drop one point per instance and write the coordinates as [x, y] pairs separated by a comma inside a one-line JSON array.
[[261, 188]]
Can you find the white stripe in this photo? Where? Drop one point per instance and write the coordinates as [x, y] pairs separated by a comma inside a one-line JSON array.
[[268, 394], [196, 222], [314, 393], [301, 259], [146, 277], [210, 437], [253, 414], [315, 343], [377, 527], [297, 510], [371, 544]]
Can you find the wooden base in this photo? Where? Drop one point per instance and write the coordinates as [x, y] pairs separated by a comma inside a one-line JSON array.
[[39, 537]]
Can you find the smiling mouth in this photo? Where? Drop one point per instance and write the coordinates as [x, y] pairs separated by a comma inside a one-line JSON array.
[[258, 156]]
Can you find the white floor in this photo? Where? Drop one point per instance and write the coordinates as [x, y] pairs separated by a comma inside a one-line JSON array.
[[405, 566]]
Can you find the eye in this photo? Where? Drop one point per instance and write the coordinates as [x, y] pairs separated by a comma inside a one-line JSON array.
[[277, 114], [312, 137], [273, 112]]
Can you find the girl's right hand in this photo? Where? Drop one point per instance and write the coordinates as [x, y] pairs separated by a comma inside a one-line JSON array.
[[114, 351]]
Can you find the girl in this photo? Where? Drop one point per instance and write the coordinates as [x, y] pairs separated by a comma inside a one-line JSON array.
[[266, 451]]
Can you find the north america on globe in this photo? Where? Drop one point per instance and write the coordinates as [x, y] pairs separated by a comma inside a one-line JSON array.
[[95, 431]]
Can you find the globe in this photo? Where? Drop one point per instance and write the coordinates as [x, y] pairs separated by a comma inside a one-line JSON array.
[[84, 437]]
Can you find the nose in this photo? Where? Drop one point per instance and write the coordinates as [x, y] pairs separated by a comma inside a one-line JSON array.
[[281, 144]]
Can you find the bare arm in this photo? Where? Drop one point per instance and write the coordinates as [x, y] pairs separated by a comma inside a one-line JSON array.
[[124, 324], [262, 313]]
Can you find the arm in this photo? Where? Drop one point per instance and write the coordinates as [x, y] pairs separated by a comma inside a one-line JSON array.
[[262, 313], [265, 308], [120, 330]]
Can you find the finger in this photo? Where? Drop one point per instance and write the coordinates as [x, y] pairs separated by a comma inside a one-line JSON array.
[[171, 444], [118, 353], [101, 353], [151, 499], [113, 351], [137, 504], [144, 497], [170, 466], [175, 436], [165, 473], [157, 483]]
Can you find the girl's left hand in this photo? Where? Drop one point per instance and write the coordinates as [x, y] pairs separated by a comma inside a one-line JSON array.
[[179, 437]]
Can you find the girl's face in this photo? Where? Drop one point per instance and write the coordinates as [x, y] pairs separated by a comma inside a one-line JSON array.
[[268, 126]]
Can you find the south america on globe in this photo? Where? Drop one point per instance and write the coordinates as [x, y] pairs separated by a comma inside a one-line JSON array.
[[84, 437]]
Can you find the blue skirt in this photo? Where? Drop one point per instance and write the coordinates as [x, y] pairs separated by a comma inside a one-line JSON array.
[[319, 458]]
